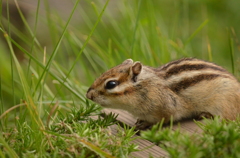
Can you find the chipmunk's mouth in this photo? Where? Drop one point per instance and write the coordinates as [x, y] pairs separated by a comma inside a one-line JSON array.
[[90, 94], [93, 95]]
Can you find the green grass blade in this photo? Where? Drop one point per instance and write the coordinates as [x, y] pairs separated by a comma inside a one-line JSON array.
[[34, 35], [231, 46], [11, 153], [88, 38], [196, 32], [30, 104], [46, 69], [26, 23], [1, 99], [135, 27], [52, 28], [209, 50], [51, 73], [85, 43]]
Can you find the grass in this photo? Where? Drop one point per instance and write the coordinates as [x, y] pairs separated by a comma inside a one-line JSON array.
[[219, 139], [43, 109]]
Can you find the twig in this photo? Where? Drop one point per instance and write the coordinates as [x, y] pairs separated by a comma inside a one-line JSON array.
[[10, 109]]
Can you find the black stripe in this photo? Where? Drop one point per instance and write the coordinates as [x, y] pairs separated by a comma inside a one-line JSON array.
[[166, 66], [178, 69], [188, 82]]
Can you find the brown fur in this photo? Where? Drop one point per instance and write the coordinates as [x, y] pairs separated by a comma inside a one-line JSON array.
[[178, 69], [188, 82], [186, 88]]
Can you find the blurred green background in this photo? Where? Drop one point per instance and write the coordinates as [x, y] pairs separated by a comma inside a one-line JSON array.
[[151, 31]]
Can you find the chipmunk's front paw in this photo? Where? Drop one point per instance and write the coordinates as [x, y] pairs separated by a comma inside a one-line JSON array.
[[205, 115], [142, 125]]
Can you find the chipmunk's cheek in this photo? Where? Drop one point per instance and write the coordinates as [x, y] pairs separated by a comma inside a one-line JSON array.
[[102, 101]]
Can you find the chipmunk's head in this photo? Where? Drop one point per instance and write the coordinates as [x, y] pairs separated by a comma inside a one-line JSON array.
[[113, 87]]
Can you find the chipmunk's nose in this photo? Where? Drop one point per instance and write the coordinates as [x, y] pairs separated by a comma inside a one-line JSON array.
[[89, 94]]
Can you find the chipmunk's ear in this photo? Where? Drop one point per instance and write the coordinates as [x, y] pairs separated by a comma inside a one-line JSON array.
[[135, 70], [128, 61]]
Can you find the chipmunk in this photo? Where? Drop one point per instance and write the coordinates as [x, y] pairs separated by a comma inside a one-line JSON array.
[[185, 88]]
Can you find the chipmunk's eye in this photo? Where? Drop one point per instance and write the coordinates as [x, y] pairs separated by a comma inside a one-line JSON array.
[[111, 84]]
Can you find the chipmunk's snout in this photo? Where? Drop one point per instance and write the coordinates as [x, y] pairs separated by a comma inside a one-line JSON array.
[[89, 94]]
